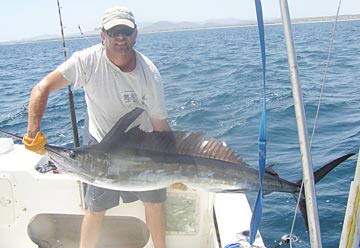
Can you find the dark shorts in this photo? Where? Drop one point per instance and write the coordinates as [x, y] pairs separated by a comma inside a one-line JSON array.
[[100, 199]]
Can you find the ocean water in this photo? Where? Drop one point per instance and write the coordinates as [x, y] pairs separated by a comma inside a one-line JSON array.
[[213, 84]]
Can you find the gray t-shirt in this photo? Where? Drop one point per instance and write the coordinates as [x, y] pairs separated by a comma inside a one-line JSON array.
[[110, 93]]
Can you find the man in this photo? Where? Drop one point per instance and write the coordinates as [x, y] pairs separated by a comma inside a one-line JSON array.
[[116, 79]]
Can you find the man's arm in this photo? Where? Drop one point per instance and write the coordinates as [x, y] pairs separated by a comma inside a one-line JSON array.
[[160, 125], [38, 100]]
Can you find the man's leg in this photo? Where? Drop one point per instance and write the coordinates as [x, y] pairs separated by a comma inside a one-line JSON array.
[[155, 221], [91, 228]]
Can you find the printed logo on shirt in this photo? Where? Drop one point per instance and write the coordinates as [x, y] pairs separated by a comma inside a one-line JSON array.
[[130, 97]]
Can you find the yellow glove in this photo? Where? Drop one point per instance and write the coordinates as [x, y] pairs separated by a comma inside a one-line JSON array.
[[179, 186], [36, 144]]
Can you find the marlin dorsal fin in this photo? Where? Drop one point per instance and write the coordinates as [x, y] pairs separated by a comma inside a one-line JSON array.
[[175, 142], [181, 143]]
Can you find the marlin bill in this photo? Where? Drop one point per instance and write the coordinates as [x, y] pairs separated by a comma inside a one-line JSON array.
[[135, 160]]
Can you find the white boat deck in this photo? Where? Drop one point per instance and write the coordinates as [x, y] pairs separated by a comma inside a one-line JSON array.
[[38, 210], [350, 235]]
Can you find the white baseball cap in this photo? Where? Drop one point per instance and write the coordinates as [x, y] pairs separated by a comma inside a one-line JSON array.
[[118, 16]]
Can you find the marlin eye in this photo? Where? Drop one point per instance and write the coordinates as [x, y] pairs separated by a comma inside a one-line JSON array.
[[72, 154]]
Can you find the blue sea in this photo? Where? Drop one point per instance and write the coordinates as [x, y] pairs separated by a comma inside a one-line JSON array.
[[213, 84]]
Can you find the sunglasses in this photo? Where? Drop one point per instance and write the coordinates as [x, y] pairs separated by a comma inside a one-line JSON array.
[[123, 30]]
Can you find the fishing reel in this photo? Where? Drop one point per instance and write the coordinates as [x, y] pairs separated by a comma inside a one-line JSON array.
[[286, 239]]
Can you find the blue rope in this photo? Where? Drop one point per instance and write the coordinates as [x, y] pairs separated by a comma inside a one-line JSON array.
[[233, 245], [257, 212]]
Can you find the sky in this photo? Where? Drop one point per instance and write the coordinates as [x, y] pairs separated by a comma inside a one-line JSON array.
[[21, 19]]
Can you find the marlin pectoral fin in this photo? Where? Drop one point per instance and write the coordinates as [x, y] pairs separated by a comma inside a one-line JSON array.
[[116, 134]]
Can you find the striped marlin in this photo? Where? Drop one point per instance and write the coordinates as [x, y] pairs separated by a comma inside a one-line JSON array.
[[133, 160]]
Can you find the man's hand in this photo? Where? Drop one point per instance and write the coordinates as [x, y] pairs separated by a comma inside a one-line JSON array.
[[36, 144], [179, 186]]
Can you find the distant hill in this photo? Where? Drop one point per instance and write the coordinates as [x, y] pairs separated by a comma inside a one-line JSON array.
[[167, 26], [174, 26]]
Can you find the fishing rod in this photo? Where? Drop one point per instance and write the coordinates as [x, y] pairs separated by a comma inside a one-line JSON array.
[[12, 135], [83, 35], [70, 94]]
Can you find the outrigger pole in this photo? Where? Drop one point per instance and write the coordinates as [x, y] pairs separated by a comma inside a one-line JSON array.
[[70, 94], [308, 176]]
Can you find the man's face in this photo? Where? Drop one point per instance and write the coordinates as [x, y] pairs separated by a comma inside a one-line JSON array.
[[119, 40]]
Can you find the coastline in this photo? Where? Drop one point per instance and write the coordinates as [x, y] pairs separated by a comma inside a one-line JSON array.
[[166, 27]]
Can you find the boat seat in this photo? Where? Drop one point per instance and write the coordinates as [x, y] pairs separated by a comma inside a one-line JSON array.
[[63, 230]]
